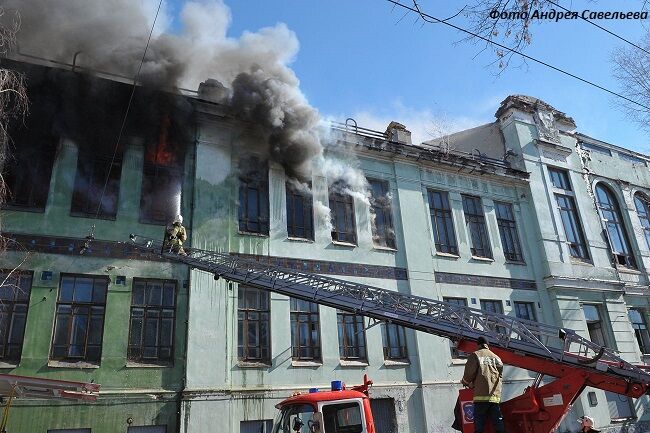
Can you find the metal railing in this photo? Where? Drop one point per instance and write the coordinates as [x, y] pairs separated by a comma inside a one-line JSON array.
[[415, 312]]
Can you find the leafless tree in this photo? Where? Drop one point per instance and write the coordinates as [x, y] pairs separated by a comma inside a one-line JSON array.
[[632, 71]]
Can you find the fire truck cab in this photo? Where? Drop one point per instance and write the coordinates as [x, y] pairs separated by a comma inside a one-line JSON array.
[[338, 410]]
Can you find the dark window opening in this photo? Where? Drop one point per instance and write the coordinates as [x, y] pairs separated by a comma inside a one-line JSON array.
[[457, 302], [508, 231], [15, 288], [305, 331], [572, 227], [254, 197], [300, 211], [442, 222], [475, 220], [637, 317], [153, 313], [615, 227], [383, 232], [352, 336], [525, 310], [594, 324], [642, 204], [79, 322], [342, 213], [383, 413], [253, 325], [162, 177], [96, 186], [394, 339], [493, 306], [560, 179]]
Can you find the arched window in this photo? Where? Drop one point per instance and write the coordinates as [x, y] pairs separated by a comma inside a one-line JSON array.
[[618, 239], [642, 204]]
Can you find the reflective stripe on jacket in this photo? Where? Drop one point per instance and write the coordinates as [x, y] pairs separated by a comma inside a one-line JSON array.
[[483, 372]]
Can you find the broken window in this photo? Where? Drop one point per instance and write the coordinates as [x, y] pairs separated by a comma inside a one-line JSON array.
[[442, 222], [394, 339], [615, 226], [15, 288], [253, 197], [342, 212], [79, 322], [352, 336], [508, 232], [300, 211], [305, 331], [162, 176], [643, 210], [475, 220], [458, 302], [153, 311], [383, 232], [253, 325], [637, 318], [96, 186]]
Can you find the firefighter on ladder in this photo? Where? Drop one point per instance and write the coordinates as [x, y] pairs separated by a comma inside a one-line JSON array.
[[484, 372], [175, 235]]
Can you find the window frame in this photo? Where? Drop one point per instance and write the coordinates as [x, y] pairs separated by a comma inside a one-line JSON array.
[[6, 276], [389, 345], [339, 199], [507, 225], [359, 324], [614, 221], [442, 217], [147, 308], [381, 207], [530, 310], [295, 316], [79, 304], [253, 183], [644, 347], [600, 328], [643, 214], [459, 302], [243, 346], [477, 227], [293, 195], [94, 189]]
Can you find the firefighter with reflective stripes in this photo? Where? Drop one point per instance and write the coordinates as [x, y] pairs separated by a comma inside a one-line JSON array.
[[484, 373], [175, 235]]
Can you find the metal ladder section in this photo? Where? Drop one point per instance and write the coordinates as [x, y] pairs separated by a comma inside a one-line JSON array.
[[434, 317]]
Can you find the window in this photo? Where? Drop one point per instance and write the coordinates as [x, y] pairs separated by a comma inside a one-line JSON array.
[[594, 324], [383, 413], [560, 179], [257, 426], [475, 220], [525, 310], [343, 417], [458, 302], [508, 232], [15, 288], [89, 184], [300, 211], [153, 311], [352, 336], [305, 330], [394, 340], [637, 318], [493, 306], [147, 429], [596, 148], [383, 232], [643, 210], [162, 176], [79, 321], [633, 159], [616, 233], [253, 325], [572, 227], [442, 222], [342, 212], [254, 197]]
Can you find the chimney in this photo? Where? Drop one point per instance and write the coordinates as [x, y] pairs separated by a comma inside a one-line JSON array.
[[212, 90], [398, 133]]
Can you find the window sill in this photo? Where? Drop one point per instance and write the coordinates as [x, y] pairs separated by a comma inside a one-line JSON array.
[[7, 364], [131, 364], [581, 262], [68, 364], [258, 235], [245, 364], [387, 249], [344, 244], [625, 270], [512, 262], [92, 216], [345, 363], [8, 206], [458, 361], [482, 259], [396, 363], [312, 364], [448, 255], [305, 240]]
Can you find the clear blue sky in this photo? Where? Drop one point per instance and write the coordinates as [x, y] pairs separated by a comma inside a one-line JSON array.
[[357, 58]]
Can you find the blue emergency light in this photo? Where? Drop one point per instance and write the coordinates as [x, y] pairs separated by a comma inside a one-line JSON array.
[[337, 385], [313, 390]]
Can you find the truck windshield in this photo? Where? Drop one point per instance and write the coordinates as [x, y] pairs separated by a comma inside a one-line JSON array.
[[293, 418]]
